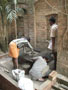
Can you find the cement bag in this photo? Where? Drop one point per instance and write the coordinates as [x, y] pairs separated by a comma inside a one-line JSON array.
[[17, 74], [25, 84], [39, 69]]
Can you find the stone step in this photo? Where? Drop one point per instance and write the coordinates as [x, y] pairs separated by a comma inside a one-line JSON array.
[[63, 86], [57, 87], [52, 89], [62, 79]]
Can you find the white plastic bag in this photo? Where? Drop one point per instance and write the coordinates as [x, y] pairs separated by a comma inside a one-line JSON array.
[[50, 45], [25, 84], [17, 74]]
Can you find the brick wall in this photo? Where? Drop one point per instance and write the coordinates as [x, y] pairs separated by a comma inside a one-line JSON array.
[[42, 14], [62, 63], [25, 23]]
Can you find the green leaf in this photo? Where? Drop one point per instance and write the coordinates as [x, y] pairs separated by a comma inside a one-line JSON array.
[[12, 16]]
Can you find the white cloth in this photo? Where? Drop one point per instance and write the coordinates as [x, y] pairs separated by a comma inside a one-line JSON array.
[[25, 84], [39, 68]]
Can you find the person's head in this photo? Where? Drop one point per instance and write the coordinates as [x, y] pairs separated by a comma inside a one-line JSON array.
[[46, 58], [52, 20]]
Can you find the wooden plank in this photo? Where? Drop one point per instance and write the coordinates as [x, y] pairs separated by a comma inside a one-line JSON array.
[[6, 83]]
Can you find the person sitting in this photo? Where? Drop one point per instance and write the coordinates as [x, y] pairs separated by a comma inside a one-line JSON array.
[[14, 47], [39, 68]]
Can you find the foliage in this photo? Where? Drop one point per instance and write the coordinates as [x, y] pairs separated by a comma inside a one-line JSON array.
[[8, 10]]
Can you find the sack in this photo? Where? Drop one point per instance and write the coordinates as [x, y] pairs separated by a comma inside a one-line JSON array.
[[17, 74], [25, 84]]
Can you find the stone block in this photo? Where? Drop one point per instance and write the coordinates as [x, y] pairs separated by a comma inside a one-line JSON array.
[[53, 75]]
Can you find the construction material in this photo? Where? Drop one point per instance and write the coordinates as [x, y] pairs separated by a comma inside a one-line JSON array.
[[53, 75], [62, 83], [62, 79]]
